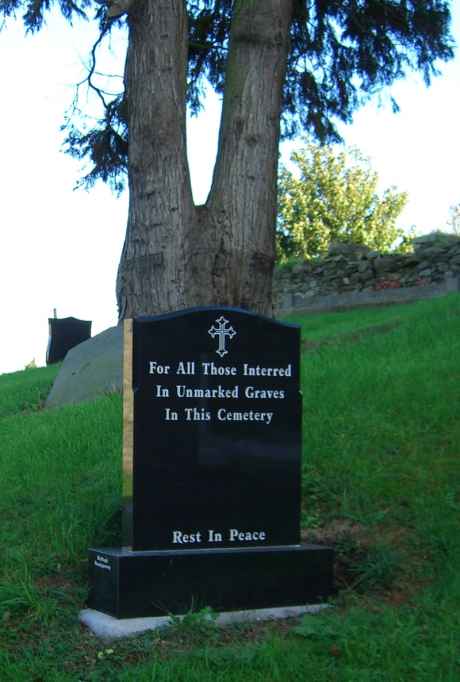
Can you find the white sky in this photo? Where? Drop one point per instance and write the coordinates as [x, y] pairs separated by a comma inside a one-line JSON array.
[[59, 248]]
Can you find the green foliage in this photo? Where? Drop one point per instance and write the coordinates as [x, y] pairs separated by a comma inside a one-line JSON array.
[[334, 198], [194, 626], [378, 569], [106, 146]]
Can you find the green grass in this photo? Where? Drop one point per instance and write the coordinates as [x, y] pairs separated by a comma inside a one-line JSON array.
[[25, 391], [381, 481]]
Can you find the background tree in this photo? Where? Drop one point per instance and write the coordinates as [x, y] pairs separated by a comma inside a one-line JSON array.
[[333, 196], [281, 66], [454, 219]]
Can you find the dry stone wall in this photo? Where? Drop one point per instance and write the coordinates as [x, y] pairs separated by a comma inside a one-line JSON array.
[[353, 275]]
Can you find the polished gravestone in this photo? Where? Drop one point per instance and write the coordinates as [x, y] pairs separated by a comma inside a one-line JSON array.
[[64, 334], [211, 469]]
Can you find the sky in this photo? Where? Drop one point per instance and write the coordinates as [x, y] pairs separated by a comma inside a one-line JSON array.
[[60, 247]]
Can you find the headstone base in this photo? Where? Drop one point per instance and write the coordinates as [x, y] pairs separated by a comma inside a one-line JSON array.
[[110, 628], [132, 584]]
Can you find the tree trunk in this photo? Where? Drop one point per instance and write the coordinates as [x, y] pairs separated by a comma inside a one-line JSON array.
[[177, 255], [151, 272]]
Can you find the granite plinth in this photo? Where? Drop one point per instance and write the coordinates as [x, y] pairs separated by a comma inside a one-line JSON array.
[[132, 584]]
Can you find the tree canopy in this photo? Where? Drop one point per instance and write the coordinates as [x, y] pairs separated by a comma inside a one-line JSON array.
[[333, 196], [340, 54]]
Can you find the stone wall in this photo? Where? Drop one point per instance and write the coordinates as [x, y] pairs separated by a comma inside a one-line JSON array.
[[352, 275]]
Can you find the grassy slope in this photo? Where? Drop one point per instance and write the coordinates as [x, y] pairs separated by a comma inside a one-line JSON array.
[[22, 391], [381, 480]]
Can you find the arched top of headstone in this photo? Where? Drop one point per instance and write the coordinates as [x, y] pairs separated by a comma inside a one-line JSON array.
[[218, 330]]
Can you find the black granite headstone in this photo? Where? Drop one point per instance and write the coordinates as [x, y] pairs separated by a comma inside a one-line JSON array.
[[217, 431], [65, 333], [213, 471]]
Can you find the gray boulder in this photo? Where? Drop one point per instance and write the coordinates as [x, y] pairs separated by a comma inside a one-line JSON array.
[[91, 369]]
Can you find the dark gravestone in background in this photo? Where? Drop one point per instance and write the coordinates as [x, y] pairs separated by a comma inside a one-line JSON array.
[[64, 334], [212, 470], [217, 431]]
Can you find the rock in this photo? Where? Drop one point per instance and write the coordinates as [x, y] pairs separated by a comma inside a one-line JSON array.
[[363, 266], [386, 263], [424, 265], [346, 248], [435, 239], [410, 261], [434, 252], [91, 369], [426, 272], [427, 238]]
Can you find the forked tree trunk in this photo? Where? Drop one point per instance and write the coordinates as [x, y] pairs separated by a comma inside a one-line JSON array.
[[177, 255]]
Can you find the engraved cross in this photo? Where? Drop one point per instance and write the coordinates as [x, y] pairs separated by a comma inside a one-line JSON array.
[[222, 331]]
